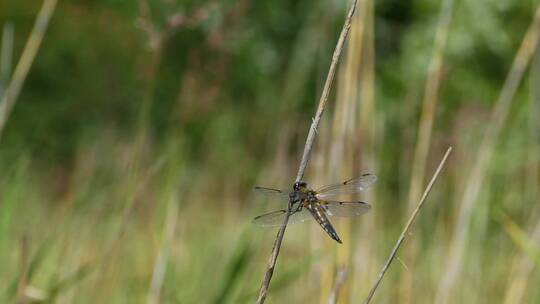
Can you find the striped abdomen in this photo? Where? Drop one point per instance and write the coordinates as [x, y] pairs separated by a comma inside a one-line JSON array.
[[319, 214]]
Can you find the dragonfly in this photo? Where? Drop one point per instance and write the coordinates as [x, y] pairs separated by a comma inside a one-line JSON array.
[[320, 204]]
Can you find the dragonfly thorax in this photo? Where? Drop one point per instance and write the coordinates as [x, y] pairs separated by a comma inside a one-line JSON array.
[[295, 196], [302, 194]]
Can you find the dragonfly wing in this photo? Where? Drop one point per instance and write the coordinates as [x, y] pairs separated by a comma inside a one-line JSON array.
[[270, 192], [275, 219], [345, 209], [352, 186]]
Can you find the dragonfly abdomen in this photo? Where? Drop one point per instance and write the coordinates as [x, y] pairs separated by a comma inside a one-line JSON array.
[[319, 214]]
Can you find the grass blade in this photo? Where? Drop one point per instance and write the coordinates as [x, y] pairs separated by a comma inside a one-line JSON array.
[[405, 231], [7, 101], [235, 269]]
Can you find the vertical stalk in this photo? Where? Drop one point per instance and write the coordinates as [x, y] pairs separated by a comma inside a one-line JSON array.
[[31, 48], [307, 149]]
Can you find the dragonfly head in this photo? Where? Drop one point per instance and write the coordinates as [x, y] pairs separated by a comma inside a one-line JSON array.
[[299, 185], [296, 195]]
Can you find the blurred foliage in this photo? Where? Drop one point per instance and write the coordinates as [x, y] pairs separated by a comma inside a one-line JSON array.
[[224, 62], [128, 105]]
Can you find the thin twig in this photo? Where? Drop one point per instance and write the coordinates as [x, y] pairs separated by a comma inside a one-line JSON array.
[[23, 66], [307, 150], [340, 279], [405, 231]]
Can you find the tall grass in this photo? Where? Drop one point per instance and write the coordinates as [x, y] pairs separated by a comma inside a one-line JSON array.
[[11, 92], [479, 169], [135, 219], [522, 263]]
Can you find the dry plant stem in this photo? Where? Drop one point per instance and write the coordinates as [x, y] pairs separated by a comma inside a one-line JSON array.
[[401, 238], [326, 92], [307, 150], [340, 279], [430, 102], [23, 66], [6, 55], [363, 252], [343, 142], [479, 169]]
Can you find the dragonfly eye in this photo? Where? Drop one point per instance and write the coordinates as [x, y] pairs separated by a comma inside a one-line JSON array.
[[299, 185]]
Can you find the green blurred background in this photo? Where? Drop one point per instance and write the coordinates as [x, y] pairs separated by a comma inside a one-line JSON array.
[[128, 160]]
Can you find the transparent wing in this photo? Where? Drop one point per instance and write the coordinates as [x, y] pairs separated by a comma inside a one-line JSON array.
[[275, 219], [345, 209], [352, 186], [270, 192]]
